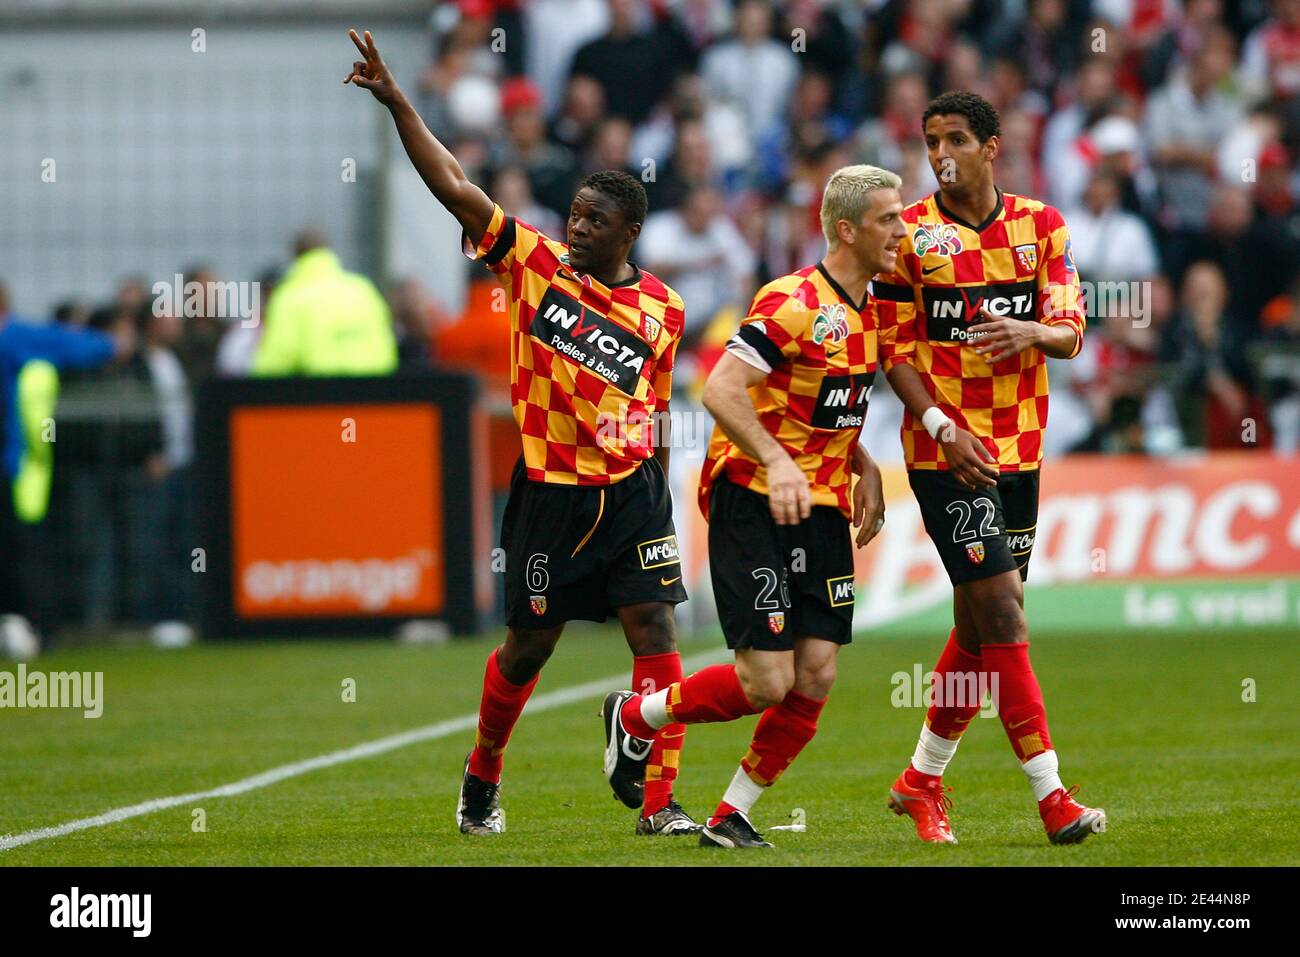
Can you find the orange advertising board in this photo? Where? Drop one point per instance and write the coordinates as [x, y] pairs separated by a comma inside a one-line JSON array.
[[1102, 520], [1215, 515], [337, 510]]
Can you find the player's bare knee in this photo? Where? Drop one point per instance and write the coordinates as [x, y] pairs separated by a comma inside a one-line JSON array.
[[815, 681], [768, 685], [525, 653], [1002, 619], [768, 692], [649, 628]]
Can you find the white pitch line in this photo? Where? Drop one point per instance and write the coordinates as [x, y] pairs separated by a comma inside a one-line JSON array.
[[430, 732]]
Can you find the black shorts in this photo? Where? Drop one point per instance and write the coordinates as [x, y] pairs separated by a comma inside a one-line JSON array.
[[578, 552], [773, 583], [979, 532]]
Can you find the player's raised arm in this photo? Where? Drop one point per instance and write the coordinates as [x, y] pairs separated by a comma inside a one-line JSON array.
[[439, 169], [726, 396]]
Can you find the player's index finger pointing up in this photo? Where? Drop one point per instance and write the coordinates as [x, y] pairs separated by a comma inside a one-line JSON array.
[[357, 42]]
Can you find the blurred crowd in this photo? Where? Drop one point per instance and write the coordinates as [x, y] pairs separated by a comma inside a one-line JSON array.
[[1167, 132]]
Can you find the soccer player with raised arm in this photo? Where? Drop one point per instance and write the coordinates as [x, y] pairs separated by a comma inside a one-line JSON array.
[[984, 290], [588, 528], [789, 397]]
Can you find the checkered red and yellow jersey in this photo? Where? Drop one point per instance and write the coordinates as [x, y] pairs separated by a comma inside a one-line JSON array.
[[590, 364], [1018, 263], [819, 350]]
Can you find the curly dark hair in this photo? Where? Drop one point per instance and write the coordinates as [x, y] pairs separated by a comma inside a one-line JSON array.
[[624, 188], [979, 112]]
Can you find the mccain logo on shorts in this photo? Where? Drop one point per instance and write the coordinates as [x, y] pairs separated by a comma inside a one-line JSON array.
[[1020, 542], [842, 401], [840, 590], [591, 340], [659, 552]]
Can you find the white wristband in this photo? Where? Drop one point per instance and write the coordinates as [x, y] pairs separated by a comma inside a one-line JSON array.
[[934, 420]]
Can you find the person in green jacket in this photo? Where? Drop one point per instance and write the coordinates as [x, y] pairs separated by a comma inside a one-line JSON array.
[[325, 321]]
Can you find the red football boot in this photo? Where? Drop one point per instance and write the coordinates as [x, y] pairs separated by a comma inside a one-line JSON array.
[[927, 806], [1066, 820]]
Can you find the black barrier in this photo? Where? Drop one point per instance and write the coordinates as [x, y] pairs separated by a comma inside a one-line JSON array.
[[466, 523]]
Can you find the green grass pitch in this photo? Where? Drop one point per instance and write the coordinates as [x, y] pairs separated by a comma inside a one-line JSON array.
[[1154, 728]]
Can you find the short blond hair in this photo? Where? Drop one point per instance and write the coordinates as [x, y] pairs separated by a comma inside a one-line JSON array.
[[847, 195]]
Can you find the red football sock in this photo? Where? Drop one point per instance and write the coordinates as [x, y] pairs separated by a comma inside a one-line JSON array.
[[1019, 699], [497, 713], [633, 723], [780, 735], [722, 810], [956, 690], [957, 693], [711, 694], [651, 673]]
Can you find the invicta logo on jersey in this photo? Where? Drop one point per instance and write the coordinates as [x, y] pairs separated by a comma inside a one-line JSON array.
[[951, 310], [593, 341], [659, 552], [842, 401], [840, 590]]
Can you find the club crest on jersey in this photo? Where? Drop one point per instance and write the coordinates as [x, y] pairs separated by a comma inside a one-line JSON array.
[[538, 604], [650, 327], [1027, 255], [941, 238], [832, 323], [776, 622], [1069, 256], [975, 552]]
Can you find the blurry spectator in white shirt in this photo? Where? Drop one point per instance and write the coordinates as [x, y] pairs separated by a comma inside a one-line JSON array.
[[1186, 119], [1113, 143], [698, 250], [1094, 97], [1110, 243], [753, 72]]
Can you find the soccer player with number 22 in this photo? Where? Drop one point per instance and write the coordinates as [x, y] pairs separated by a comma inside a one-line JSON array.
[[985, 289]]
